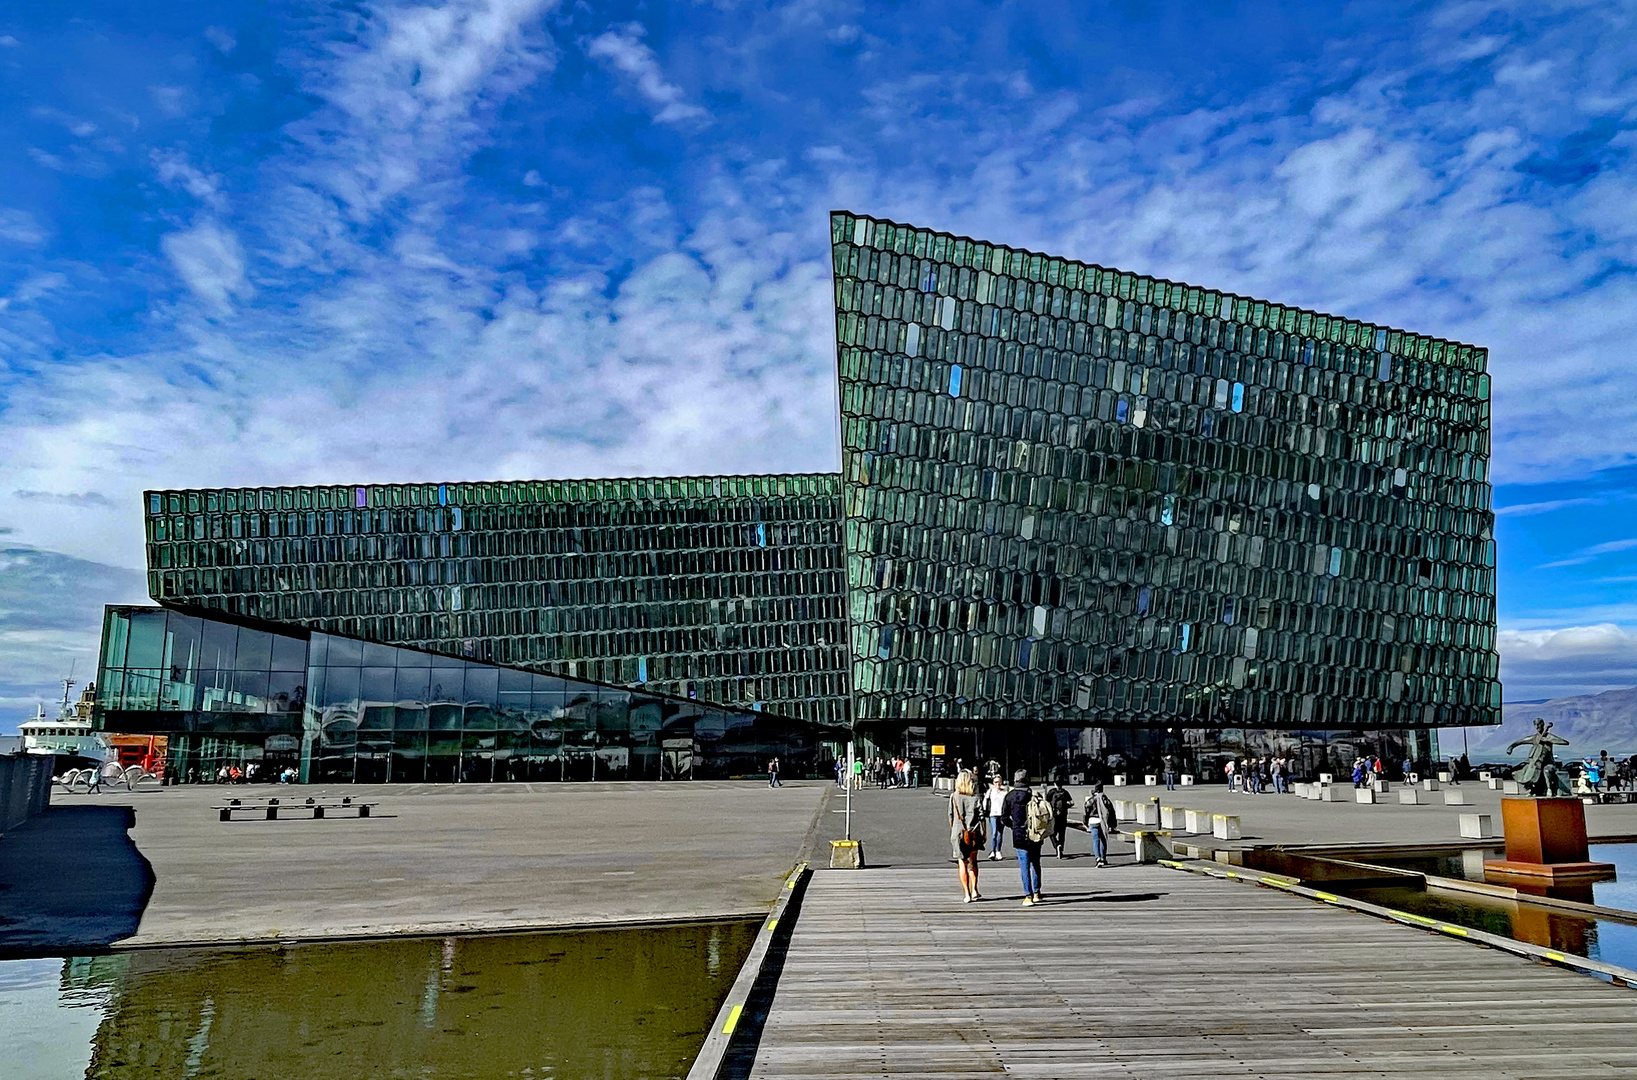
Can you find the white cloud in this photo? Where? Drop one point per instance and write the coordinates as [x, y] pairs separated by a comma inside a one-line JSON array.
[[173, 168], [210, 261], [1531, 509], [8, 42], [622, 49], [20, 227], [222, 38], [1567, 660]]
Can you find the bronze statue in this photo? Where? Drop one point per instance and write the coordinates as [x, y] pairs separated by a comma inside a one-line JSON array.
[[1538, 775]]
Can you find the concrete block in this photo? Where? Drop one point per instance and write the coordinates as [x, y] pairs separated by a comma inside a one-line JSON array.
[[1119, 779], [1170, 817], [1225, 826], [1229, 857], [1485, 775], [1494, 782], [1444, 776], [1476, 827], [1123, 810], [846, 855], [1149, 779], [1511, 787], [1329, 793], [1192, 851], [1380, 787], [1454, 798], [1186, 779], [1147, 813], [1197, 822], [1408, 796], [1364, 795], [1327, 778], [1077, 778], [1151, 845], [1413, 778], [1301, 789], [1429, 785]]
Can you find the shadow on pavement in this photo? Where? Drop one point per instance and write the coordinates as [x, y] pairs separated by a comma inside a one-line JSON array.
[[71, 880]]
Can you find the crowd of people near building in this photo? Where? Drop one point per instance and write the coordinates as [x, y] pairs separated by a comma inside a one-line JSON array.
[[883, 772]]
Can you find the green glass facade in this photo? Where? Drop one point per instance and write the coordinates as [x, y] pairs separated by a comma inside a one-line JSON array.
[[721, 588], [1087, 497], [1080, 512], [343, 710]]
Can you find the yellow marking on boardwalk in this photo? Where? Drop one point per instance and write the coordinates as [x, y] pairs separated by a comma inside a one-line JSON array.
[[1458, 931], [771, 923], [733, 1020], [1327, 897]]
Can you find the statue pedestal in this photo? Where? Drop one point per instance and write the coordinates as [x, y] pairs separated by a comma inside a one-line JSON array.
[[1546, 844]]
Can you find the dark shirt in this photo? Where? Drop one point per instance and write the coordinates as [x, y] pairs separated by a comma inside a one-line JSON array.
[[1015, 812], [1061, 802]]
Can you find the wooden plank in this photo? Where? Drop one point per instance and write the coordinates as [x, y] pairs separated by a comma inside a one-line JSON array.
[[1140, 971]]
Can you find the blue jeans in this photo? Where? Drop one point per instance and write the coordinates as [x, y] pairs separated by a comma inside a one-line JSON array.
[[1028, 868], [1099, 841], [1170, 781], [995, 837]]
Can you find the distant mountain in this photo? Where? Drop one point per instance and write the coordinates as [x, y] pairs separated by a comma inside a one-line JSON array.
[[1591, 722]]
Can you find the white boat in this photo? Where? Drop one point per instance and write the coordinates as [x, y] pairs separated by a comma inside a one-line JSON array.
[[68, 737]]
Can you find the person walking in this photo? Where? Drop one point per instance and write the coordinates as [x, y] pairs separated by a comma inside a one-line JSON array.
[[966, 833], [1061, 802], [1100, 822], [994, 804], [1029, 816], [773, 772], [1228, 771]]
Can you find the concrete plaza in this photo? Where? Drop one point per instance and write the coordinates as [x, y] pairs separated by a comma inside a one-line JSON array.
[[430, 859]]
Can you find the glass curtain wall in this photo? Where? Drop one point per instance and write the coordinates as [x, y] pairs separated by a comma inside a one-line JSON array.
[[344, 710], [1078, 495]]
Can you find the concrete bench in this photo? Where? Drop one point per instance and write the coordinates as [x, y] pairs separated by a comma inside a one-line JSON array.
[[1455, 798], [1476, 827], [1147, 813], [271, 809], [1364, 795], [1151, 845], [1225, 826], [1429, 785], [1408, 796], [1197, 822]]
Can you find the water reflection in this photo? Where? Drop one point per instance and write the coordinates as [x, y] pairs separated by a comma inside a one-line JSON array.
[[626, 1003]]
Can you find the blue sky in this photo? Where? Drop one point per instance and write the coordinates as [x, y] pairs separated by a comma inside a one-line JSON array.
[[248, 243]]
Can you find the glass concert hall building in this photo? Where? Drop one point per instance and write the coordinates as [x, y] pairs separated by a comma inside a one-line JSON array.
[[1080, 512]]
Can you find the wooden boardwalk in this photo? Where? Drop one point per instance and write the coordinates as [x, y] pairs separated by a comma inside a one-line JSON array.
[[1142, 972]]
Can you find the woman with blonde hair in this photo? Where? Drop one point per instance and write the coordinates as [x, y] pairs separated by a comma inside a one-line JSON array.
[[966, 838]]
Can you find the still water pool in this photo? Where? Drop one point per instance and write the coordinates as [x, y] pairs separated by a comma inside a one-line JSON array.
[[607, 1003]]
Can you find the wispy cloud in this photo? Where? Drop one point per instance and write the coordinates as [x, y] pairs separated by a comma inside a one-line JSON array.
[[1531, 509], [210, 261], [624, 50]]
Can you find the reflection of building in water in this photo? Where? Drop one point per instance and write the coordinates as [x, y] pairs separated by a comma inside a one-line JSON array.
[[605, 1003]]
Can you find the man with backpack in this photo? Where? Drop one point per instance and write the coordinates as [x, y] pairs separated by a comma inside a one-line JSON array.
[[1100, 822], [1061, 802], [1030, 816]]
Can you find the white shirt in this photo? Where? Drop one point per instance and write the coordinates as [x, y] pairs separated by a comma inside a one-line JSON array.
[[992, 800]]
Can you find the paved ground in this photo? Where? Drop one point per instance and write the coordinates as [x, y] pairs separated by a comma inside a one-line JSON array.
[[445, 857], [1138, 971], [908, 828]]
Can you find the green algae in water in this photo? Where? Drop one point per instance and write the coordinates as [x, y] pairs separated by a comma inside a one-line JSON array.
[[606, 1003]]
